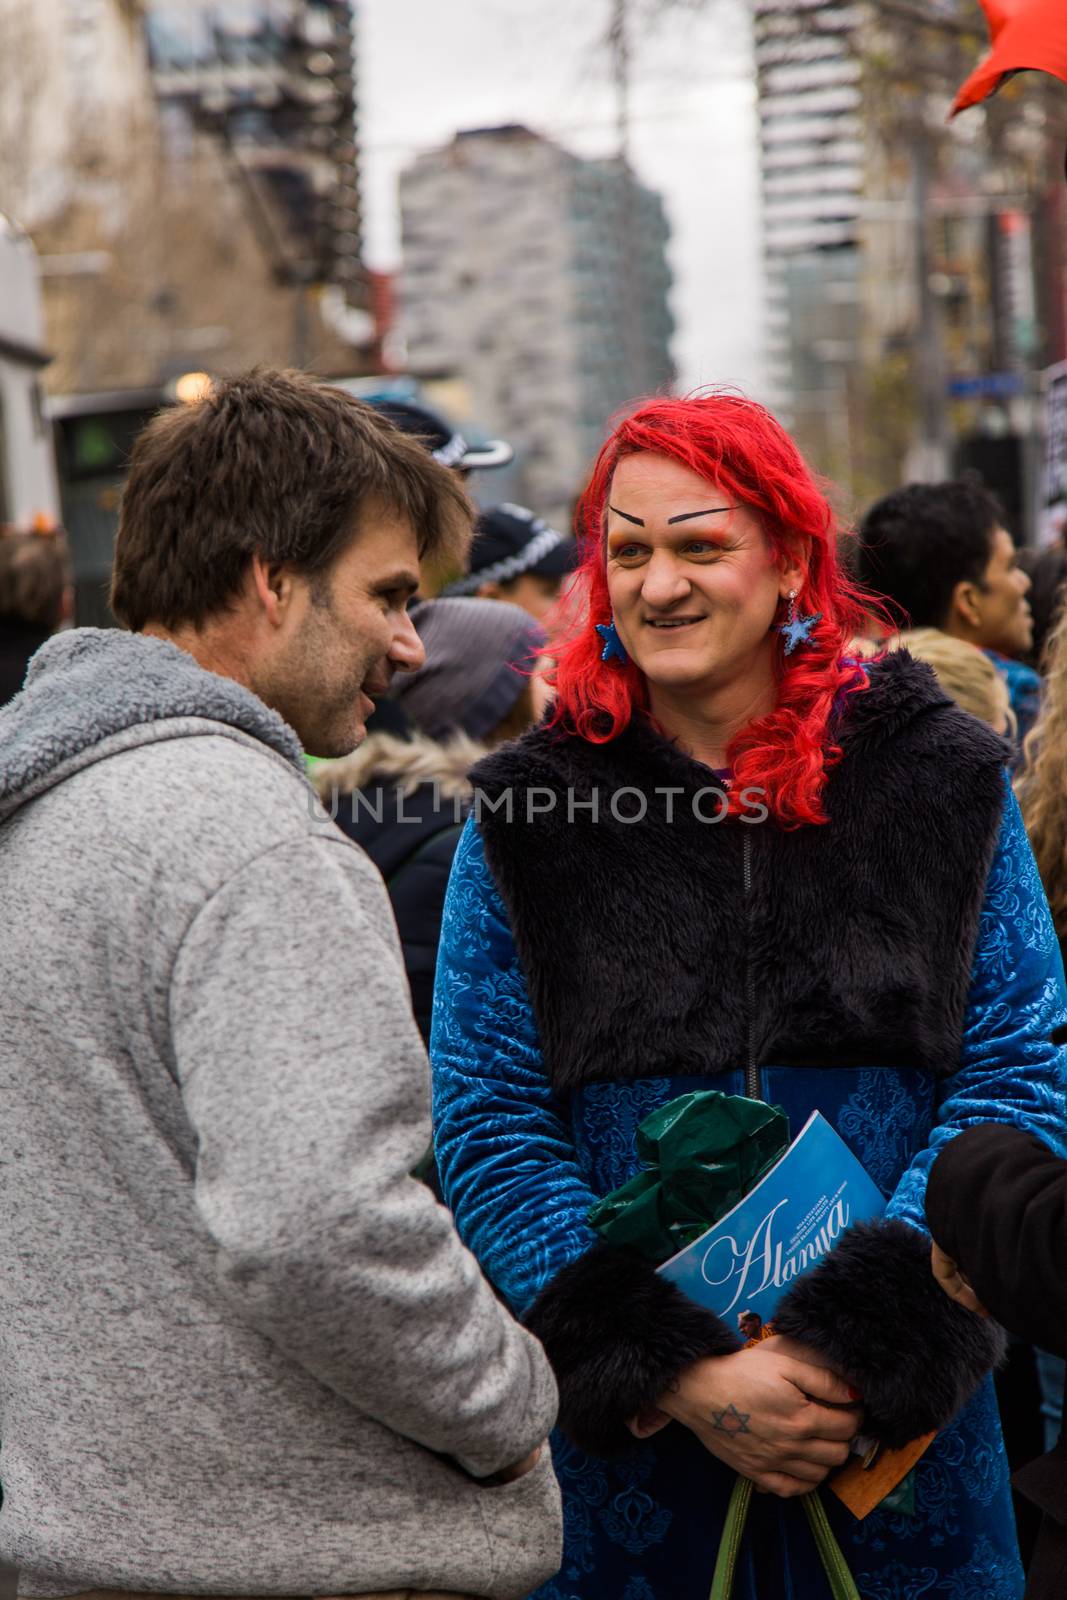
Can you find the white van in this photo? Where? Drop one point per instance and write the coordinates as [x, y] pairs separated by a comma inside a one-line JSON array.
[[28, 486]]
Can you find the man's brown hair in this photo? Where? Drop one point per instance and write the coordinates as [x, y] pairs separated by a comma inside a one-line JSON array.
[[272, 464]]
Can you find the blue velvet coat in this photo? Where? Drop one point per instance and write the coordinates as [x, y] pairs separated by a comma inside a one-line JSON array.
[[520, 1168]]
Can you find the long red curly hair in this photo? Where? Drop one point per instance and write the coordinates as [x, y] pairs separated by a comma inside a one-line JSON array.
[[737, 445]]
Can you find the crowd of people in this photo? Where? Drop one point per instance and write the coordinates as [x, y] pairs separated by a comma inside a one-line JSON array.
[[288, 1308]]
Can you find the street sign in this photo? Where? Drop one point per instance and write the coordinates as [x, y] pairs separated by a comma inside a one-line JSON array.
[[986, 386]]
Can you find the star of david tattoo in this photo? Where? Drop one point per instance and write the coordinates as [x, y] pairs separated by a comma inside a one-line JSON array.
[[731, 1420]]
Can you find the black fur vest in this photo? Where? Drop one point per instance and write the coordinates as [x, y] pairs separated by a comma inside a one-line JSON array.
[[664, 947]]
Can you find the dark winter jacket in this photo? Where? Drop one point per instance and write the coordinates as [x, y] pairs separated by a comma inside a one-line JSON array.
[[18, 642], [997, 1204], [404, 802]]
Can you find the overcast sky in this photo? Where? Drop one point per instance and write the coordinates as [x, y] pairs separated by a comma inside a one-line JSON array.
[[429, 67]]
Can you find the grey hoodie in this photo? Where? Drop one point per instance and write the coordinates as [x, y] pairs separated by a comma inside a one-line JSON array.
[[241, 1351]]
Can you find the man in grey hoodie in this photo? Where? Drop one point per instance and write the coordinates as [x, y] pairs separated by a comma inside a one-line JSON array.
[[242, 1352]]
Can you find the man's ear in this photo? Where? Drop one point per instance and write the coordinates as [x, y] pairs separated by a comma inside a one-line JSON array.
[[965, 605], [272, 584], [489, 591]]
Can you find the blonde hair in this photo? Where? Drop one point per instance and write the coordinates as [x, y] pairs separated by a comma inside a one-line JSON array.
[[1042, 787], [964, 672]]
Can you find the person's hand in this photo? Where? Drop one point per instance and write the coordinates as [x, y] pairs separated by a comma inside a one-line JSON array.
[[953, 1282], [518, 1469], [775, 1413]]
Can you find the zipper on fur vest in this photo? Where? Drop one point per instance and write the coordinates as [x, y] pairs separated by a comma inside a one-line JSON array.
[[753, 1086]]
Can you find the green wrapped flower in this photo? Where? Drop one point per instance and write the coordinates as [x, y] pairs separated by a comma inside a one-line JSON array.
[[702, 1153]]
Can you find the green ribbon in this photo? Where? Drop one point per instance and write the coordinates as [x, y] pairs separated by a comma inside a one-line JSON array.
[[842, 1583]]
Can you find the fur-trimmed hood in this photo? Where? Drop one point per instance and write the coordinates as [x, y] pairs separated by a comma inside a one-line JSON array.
[[383, 759]]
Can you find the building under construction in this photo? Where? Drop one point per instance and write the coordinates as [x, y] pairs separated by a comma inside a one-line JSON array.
[[273, 81]]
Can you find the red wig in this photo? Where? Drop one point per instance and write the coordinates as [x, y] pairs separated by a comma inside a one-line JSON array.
[[740, 448]]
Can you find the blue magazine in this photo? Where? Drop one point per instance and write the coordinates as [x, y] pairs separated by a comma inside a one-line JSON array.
[[788, 1222]]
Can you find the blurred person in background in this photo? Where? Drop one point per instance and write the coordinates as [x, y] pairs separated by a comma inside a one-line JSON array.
[[1042, 788], [1042, 793], [997, 1207], [405, 800], [997, 1198], [517, 557], [1030, 1382], [450, 449], [831, 933], [443, 440], [963, 672], [36, 596], [1047, 571], [941, 554], [243, 1351]]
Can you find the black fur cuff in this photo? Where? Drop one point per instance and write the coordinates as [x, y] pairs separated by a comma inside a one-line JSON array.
[[617, 1334], [873, 1308]]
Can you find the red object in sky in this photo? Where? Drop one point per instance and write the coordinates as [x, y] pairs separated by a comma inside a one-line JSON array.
[[1027, 35]]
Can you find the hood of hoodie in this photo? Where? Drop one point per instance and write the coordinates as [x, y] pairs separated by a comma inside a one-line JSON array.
[[91, 692]]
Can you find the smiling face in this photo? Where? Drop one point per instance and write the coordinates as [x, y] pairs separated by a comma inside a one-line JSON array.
[[694, 585], [344, 633]]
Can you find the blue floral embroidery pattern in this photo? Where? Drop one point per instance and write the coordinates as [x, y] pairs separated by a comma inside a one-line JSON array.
[[632, 1519], [506, 1155], [985, 1575], [878, 1120], [638, 1589], [1009, 1069], [896, 1582], [585, 1485], [606, 1118]]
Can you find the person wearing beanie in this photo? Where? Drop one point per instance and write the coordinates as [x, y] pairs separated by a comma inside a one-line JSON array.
[[405, 800], [440, 437], [517, 557], [448, 446]]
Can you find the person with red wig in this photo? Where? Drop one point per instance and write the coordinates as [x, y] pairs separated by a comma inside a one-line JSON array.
[[734, 857]]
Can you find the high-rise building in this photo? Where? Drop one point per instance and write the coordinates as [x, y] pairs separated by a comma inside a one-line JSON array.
[[813, 154], [541, 281], [274, 80], [912, 270]]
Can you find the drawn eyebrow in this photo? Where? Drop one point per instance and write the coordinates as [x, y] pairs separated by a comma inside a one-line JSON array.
[[687, 516], [638, 522]]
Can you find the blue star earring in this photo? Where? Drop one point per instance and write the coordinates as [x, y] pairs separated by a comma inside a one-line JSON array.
[[797, 630], [614, 649]]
